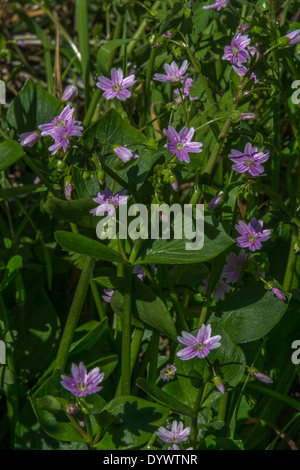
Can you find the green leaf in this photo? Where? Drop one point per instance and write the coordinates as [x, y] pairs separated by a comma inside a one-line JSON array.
[[77, 211], [227, 352], [31, 107], [251, 313], [174, 251], [14, 264], [56, 425], [149, 310], [106, 49], [164, 398], [85, 245], [10, 152], [88, 340], [139, 421]]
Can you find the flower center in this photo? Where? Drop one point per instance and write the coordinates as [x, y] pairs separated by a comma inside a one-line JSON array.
[[252, 238], [180, 146], [199, 347], [249, 161], [117, 87], [81, 386], [235, 50], [59, 122]]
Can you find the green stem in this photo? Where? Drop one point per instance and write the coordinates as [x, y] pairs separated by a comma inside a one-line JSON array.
[[180, 319], [154, 348], [126, 333], [74, 314], [292, 259]]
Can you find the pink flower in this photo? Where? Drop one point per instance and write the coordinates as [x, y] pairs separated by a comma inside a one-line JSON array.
[[252, 235], [82, 383], [61, 128], [117, 86], [242, 70], [177, 433], [199, 345], [259, 375], [232, 270], [168, 372], [108, 202], [237, 52], [185, 93], [181, 144], [218, 5], [173, 73], [220, 289], [125, 154], [249, 161]]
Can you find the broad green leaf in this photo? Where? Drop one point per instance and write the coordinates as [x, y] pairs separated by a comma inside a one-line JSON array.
[[164, 398], [12, 267], [174, 251], [81, 244], [76, 211], [31, 107], [139, 421], [227, 352], [56, 425], [251, 312], [10, 152]]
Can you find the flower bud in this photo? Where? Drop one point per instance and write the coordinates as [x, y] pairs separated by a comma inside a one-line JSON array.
[[86, 175], [259, 375], [29, 139], [218, 382], [187, 13], [72, 410], [235, 116], [293, 38], [70, 93]]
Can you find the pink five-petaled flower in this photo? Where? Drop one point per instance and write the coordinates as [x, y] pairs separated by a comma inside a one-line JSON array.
[[252, 234], [249, 161], [82, 383], [199, 345], [218, 5], [117, 86], [61, 128], [180, 143], [29, 139], [232, 270], [108, 202], [124, 153], [237, 52], [176, 434], [219, 290], [173, 73]]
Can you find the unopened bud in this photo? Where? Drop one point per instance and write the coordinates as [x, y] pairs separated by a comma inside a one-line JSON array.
[[218, 382], [70, 93]]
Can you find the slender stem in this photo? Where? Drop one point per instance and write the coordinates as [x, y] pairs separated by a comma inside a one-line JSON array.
[[126, 333], [97, 300], [154, 348], [180, 319], [292, 259], [74, 313]]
